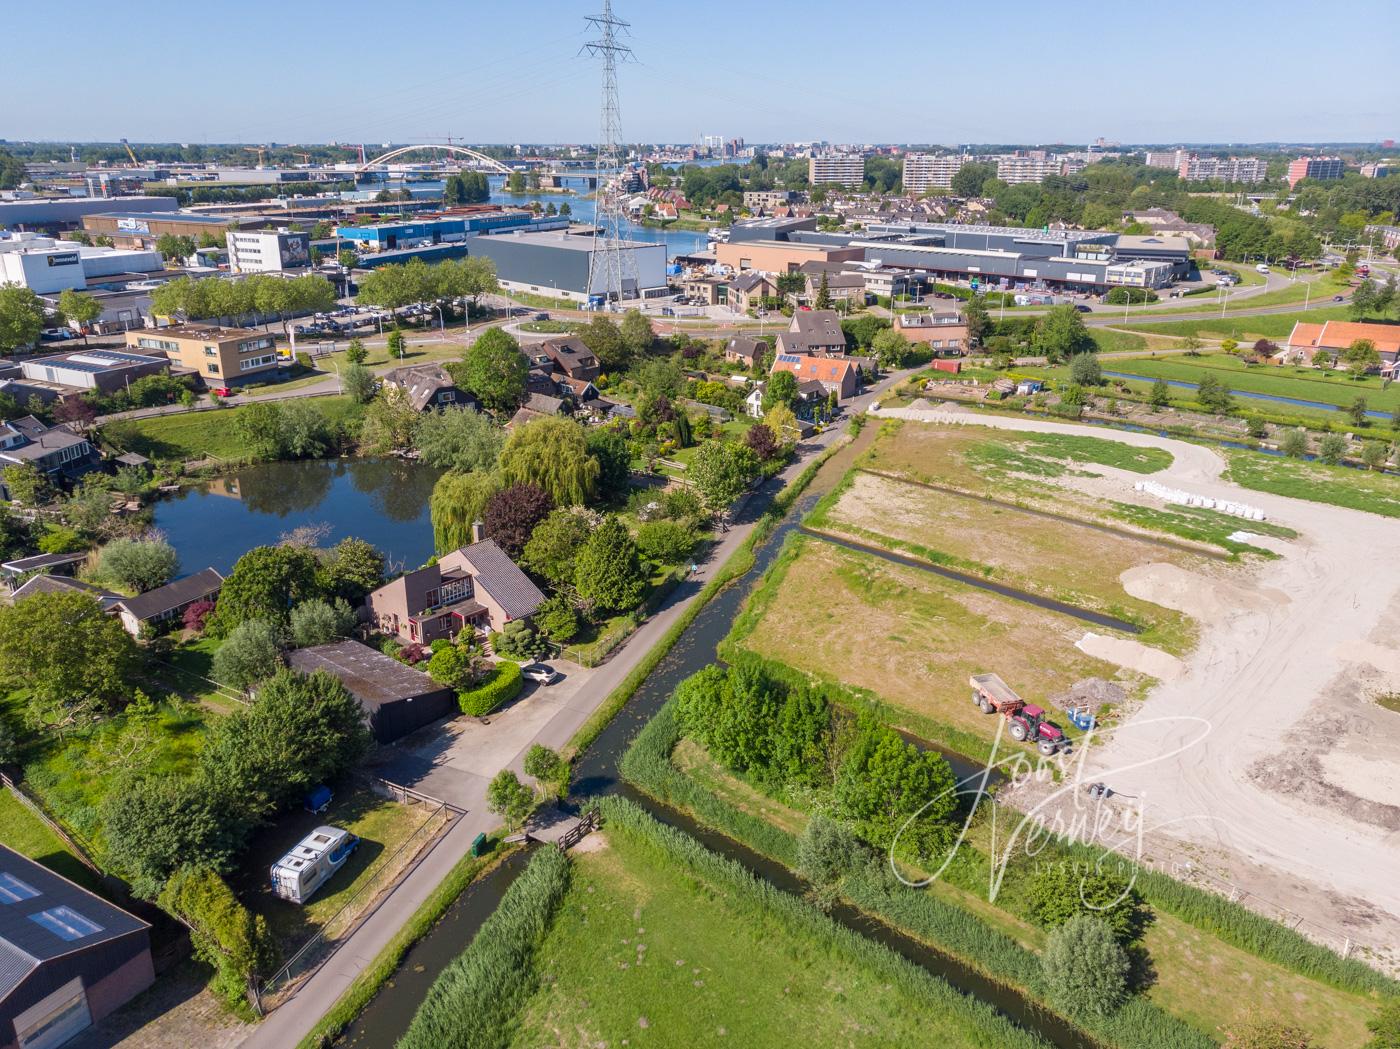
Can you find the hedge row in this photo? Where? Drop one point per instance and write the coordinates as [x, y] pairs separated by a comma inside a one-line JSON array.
[[476, 1002], [746, 893], [500, 686], [1137, 1025]]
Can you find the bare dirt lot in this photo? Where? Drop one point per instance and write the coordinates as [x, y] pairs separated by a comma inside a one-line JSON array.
[[1266, 767]]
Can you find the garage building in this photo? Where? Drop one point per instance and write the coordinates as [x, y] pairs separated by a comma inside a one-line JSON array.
[[396, 698]]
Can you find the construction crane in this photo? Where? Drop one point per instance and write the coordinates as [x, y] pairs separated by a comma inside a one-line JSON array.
[[131, 153], [261, 151], [305, 157]]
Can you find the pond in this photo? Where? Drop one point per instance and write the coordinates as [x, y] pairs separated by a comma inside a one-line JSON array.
[[383, 501]]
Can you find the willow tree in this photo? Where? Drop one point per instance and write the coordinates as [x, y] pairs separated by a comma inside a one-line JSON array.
[[553, 455], [458, 500]]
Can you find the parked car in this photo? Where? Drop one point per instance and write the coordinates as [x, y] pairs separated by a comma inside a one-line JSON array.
[[541, 317], [540, 674], [57, 334], [1082, 308], [1336, 298]]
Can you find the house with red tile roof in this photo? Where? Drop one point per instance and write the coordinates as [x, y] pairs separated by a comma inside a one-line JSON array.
[[834, 373], [1336, 336]]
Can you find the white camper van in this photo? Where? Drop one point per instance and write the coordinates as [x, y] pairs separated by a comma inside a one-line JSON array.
[[312, 862]]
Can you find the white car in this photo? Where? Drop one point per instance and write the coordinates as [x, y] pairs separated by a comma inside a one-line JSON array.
[[540, 674]]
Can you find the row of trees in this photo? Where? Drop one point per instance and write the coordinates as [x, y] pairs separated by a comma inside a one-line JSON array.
[[416, 281], [260, 295]]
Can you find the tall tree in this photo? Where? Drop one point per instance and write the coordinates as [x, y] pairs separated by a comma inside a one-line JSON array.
[[721, 472], [458, 501], [553, 455], [265, 583], [21, 317], [604, 338], [513, 513], [637, 334], [495, 370], [72, 657], [608, 573], [553, 546], [459, 439], [79, 309]]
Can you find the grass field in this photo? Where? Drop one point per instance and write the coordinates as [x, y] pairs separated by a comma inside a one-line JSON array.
[[1012, 546], [28, 835], [909, 637], [1241, 328], [1378, 493], [644, 952], [1310, 384], [201, 435]]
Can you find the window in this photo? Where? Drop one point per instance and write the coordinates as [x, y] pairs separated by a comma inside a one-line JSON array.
[[66, 923], [257, 362], [12, 890], [213, 369], [209, 351]]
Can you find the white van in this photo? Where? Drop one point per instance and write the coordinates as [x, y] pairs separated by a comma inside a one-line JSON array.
[[308, 866], [1262, 268]]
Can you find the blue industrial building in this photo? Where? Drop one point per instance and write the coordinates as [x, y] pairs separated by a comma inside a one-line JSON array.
[[392, 236]]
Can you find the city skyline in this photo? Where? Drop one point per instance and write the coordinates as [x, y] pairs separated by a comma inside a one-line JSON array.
[[1198, 77]]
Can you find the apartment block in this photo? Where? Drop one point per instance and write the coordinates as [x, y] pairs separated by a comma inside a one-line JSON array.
[[1223, 169], [221, 356], [842, 169], [926, 171], [1016, 169], [1322, 168]]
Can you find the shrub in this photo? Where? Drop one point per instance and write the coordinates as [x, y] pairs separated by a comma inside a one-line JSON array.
[[1294, 443], [1059, 890], [140, 565], [225, 934], [156, 825], [1084, 369], [57, 539], [519, 640], [1332, 448], [1258, 1032], [827, 850], [317, 622], [477, 999], [509, 799], [252, 652], [458, 666], [500, 686], [665, 542], [196, 615], [1085, 967], [548, 768]]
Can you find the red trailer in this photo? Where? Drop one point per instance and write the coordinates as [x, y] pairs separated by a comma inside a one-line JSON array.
[[1025, 721], [953, 366]]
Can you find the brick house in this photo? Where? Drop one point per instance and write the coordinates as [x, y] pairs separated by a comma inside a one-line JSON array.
[[834, 373], [572, 358], [429, 386], [813, 332], [476, 587], [944, 332], [1336, 337]]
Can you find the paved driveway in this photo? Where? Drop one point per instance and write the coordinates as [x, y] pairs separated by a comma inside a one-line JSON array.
[[456, 758]]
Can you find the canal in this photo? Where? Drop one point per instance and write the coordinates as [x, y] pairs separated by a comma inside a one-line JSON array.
[[596, 773]]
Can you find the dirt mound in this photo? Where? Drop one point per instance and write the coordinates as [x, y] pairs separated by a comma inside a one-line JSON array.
[[1092, 693], [1199, 596], [1133, 655]]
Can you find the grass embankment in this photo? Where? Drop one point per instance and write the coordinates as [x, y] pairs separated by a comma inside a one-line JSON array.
[[1203, 948], [1202, 526], [1377, 493], [208, 434], [368, 983], [648, 938]]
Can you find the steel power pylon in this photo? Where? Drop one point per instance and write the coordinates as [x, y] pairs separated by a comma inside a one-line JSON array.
[[609, 266]]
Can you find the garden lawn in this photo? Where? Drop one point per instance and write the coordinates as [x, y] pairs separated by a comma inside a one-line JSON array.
[[911, 638], [28, 835], [1377, 493], [1010, 545], [644, 952], [201, 435], [382, 827]]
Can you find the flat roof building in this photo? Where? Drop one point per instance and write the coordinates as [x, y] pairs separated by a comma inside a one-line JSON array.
[[141, 229], [100, 370], [46, 266], [267, 251], [781, 256], [60, 213], [1321, 168], [1223, 169], [557, 264], [220, 356]]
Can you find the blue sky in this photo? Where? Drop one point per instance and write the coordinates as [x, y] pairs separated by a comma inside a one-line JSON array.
[[950, 72]]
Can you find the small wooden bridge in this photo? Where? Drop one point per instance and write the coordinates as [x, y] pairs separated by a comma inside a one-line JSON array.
[[557, 827]]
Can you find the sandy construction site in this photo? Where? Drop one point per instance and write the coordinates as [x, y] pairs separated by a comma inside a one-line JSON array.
[[1262, 762]]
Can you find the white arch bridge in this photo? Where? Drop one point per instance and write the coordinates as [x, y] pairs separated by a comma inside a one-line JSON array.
[[490, 163]]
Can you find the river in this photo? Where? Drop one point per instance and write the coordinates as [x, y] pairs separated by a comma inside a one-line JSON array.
[[677, 241], [383, 501], [387, 1016]]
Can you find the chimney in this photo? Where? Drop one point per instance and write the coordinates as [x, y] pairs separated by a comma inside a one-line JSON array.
[[478, 531]]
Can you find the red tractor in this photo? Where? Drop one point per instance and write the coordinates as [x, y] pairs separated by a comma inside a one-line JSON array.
[[1025, 721]]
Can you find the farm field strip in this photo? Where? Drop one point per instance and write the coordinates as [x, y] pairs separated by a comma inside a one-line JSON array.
[[1270, 380]]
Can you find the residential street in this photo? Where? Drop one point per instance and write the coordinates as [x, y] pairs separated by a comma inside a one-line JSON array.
[[456, 761]]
